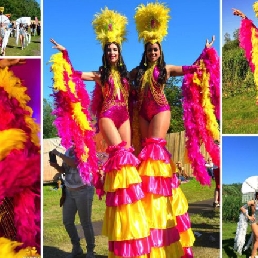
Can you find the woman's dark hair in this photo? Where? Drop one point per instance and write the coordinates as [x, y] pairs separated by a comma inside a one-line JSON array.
[[143, 66], [106, 67]]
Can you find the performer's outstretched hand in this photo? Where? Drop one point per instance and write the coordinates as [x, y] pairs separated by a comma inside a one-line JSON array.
[[10, 62], [209, 44], [56, 45], [238, 13]]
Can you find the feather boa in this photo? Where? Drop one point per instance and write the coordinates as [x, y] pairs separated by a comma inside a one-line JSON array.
[[19, 162], [248, 37], [240, 233], [201, 109], [72, 115]]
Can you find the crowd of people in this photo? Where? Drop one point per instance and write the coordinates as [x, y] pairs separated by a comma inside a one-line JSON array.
[[22, 33], [146, 220]]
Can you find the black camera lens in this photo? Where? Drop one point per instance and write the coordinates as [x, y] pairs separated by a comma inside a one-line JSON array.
[[52, 157]]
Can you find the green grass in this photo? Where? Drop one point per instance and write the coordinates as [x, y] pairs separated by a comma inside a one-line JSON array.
[[228, 235], [33, 49], [239, 115], [194, 191], [57, 244]]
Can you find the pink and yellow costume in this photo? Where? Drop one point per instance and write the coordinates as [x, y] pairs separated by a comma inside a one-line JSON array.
[[128, 233], [164, 203], [248, 37]]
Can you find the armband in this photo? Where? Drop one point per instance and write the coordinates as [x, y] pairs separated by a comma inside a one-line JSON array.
[[78, 73], [189, 69]]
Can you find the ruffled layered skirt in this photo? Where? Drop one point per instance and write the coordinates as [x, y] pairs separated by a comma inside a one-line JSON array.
[[156, 173], [125, 222]]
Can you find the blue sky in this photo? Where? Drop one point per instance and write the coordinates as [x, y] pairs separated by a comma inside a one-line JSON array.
[[191, 24], [231, 22], [239, 158]]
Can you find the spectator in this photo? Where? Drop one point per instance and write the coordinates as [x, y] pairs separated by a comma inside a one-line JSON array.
[[78, 197], [38, 29], [180, 171], [209, 166]]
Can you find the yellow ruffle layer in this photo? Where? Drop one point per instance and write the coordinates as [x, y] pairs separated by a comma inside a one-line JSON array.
[[179, 202], [125, 222], [122, 178], [7, 249], [180, 207], [155, 168], [187, 238], [159, 211], [11, 139], [174, 250]]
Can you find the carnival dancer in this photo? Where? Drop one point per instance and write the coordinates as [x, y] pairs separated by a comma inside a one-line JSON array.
[[169, 223], [248, 40], [2, 36], [19, 168], [125, 222], [21, 33]]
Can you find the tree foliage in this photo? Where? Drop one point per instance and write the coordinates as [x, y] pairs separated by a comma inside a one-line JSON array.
[[232, 201], [49, 130], [21, 8], [174, 96], [236, 76]]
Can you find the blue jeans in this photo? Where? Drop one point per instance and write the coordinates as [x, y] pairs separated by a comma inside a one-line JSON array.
[[81, 201]]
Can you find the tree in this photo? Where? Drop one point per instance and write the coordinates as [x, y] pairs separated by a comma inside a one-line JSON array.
[[174, 96], [49, 130], [236, 34], [227, 38], [21, 8]]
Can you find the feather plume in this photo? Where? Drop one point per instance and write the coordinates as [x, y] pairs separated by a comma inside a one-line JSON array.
[[110, 26], [152, 22]]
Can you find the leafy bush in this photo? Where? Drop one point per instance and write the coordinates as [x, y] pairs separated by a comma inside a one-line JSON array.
[[232, 201]]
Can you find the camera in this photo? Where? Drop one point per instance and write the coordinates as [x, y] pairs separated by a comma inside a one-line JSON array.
[[52, 157]]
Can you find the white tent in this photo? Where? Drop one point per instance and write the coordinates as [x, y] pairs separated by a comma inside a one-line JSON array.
[[249, 187], [23, 20], [4, 19]]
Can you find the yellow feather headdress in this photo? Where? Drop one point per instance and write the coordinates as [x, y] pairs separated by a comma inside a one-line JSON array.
[[110, 26], [255, 6], [152, 22]]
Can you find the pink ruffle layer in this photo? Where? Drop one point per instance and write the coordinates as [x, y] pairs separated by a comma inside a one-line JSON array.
[[156, 185], [124, 196], [119, 156], [164, 237], [188, 252], [130, 248], [154, 148]]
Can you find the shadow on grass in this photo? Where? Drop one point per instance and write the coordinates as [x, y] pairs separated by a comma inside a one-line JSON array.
[[209, 234], [53, 252], [227, 246]]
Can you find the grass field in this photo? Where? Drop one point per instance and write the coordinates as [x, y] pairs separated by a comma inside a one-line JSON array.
[[239, 115], [57, 244], [33, 49], [228, 235]]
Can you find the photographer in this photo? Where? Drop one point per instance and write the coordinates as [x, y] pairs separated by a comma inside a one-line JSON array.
[[78, 197]]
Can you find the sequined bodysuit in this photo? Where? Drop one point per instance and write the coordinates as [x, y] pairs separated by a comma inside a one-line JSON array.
[[115, 100], [152, 99]]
